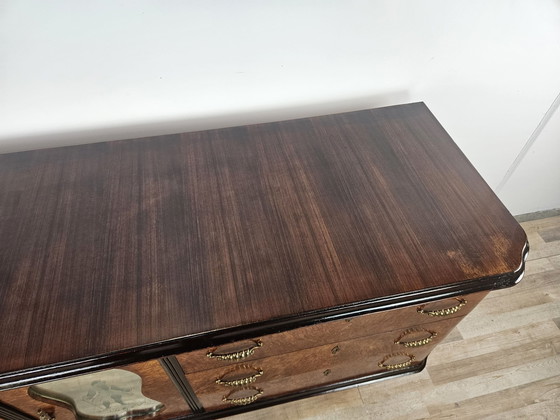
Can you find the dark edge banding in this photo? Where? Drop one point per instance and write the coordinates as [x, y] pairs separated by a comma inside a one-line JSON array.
[[8, 412], [175, 372], [218, 337]]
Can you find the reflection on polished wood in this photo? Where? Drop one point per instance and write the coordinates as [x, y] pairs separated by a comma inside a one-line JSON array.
[[107, 395], [155, 384], [502, 361]]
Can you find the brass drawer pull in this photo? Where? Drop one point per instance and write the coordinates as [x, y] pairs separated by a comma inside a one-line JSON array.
[[241, 381], [243, 400], [237, 355], [43, 415], [407, 338], [400, 365], [445, 311]]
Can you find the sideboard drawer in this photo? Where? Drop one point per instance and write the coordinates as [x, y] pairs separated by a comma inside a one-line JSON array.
[[241, 383], [329, 332], [155, 384]]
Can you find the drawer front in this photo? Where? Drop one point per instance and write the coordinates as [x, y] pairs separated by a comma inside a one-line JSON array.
[[330, 332], [242, 383], [155, 385]]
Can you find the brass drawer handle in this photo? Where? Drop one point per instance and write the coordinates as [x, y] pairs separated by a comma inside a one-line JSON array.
[[396, 365], [242, 381], [237, 355], [43, 415], [446, 311], [244, 400], [416, 343]]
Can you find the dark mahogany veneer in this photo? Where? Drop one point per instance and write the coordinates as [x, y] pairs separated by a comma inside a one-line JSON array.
[[128, 251]]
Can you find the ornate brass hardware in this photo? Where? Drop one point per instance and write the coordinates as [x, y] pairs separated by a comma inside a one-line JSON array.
[[43, 415], [241, 381], [399, 365], [237, 355], [243, 400], [107, 395], [402, 340], [445, 311]]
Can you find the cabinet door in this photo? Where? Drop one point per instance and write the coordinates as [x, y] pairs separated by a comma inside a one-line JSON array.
[[154, 385]]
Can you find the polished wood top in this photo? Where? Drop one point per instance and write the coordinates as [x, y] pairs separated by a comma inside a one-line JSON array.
[[119, 245]]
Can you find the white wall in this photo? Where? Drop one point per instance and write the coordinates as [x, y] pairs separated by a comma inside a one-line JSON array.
[[75, 72], [535, 183]]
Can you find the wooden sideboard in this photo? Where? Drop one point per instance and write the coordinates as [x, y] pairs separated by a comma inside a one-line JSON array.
[[238, 268]]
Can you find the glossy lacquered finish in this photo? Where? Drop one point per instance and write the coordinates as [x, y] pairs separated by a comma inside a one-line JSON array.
[[266, 243], [130, 243]]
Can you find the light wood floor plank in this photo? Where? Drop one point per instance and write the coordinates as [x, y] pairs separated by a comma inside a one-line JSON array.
[[545, 250], [535, 240], [488, 324], [382, 392], [496, 403], [550, 235], [539, 266], [488, 382], [504, 341], [517, 355], [555, 261], [321, 406], [538, 224]]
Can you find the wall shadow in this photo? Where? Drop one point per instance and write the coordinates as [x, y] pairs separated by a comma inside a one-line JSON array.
[[189, 124]]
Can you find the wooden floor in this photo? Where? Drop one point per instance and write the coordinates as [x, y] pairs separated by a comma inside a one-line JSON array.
[[501, 362]]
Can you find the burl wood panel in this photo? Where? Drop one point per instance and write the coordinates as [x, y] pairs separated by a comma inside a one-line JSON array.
[[317, 366], [116, 245], [155, 385], [330, 332]]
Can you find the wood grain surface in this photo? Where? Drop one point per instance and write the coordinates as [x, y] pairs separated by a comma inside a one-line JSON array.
[[117, 245]]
